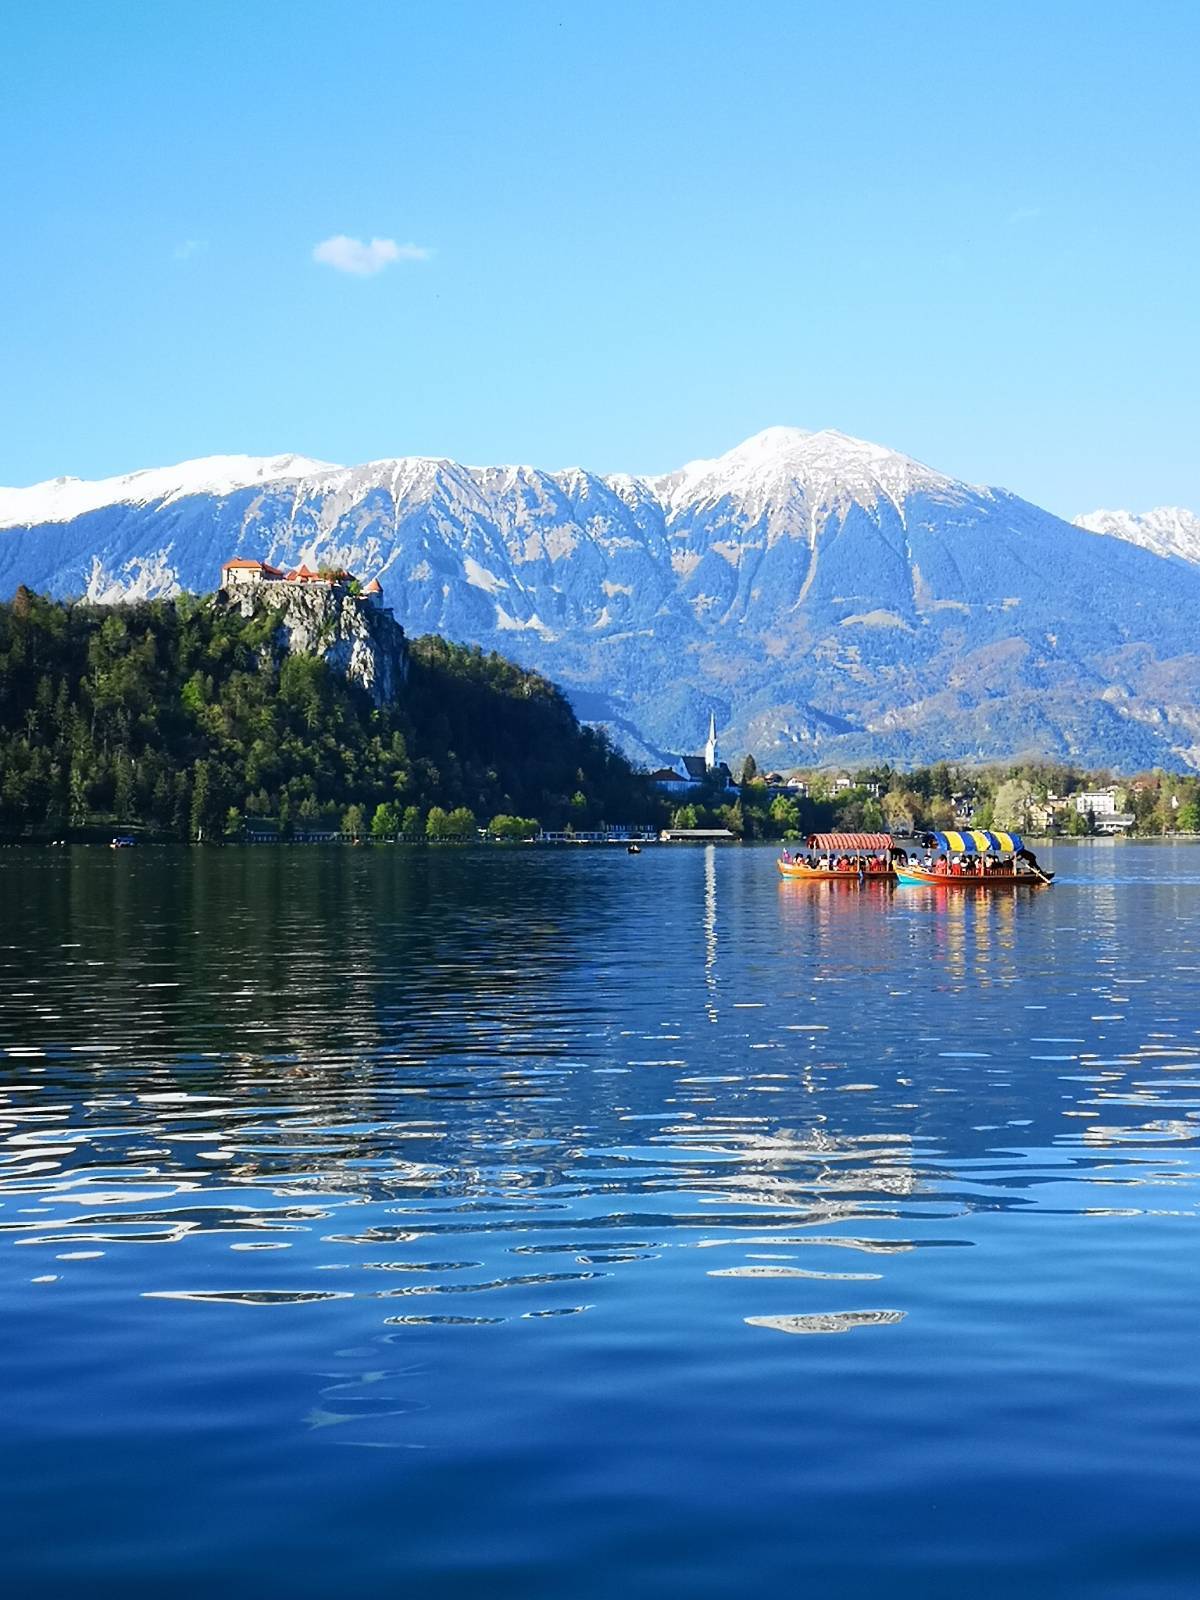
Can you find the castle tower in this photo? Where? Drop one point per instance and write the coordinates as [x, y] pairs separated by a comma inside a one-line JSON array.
[[710, 746]]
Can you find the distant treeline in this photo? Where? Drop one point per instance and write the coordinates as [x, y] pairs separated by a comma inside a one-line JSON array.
[[1026, 796], [184, 716]]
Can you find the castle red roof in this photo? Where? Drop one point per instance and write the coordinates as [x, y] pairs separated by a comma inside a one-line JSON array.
[[242, 564]]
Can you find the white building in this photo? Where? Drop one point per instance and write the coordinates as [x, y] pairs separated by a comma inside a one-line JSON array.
[[1100, 802]]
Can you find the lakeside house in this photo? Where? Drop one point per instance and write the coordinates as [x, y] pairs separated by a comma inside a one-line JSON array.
[[1103, 806]]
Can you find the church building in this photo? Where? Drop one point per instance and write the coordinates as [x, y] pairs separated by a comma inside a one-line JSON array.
[[692, 772]]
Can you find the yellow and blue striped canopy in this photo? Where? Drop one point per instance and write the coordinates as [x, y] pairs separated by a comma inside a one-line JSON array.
[[977, 842]]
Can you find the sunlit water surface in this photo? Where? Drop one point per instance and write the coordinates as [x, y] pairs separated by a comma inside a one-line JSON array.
[[504, 1223]]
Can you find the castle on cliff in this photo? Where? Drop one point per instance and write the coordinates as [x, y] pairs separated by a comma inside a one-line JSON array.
[[241, 573]]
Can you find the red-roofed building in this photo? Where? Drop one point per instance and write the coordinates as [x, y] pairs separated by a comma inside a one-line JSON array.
[[241, 571], [244, 571]]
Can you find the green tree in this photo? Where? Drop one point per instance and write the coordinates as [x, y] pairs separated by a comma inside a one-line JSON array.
[[785, 814], [503, 826], [385, 824], [685, 817], [460, 824], [206, 809], [124, 803], [736, 819], [78, 805], [233, 823], [901, 808], [354, 821], [436, 823], [412, 824], [939, 813], [1012, 805]]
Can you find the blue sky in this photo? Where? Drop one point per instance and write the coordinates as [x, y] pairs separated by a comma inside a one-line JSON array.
[[625, 235]]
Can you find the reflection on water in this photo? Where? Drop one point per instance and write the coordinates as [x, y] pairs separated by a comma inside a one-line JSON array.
[[513, 1162]]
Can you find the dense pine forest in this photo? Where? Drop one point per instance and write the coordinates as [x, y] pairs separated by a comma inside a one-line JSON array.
[[189, 718]]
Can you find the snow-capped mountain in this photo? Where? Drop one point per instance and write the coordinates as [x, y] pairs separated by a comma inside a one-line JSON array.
[[827, 597], [1167, 530], [62, 499]]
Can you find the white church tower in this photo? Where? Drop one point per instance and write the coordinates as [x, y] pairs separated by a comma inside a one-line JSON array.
[[710, 747]]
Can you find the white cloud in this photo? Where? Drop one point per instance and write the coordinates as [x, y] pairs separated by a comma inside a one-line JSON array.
[[1025, 214], [364, 260], [188, 248]]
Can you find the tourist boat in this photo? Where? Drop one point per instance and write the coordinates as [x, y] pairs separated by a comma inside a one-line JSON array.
[[976, 859], [840, 857], [122, 842]]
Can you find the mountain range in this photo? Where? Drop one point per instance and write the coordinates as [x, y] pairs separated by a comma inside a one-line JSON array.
[[829, 599]]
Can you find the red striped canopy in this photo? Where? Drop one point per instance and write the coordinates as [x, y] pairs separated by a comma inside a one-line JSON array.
[[849, 841]]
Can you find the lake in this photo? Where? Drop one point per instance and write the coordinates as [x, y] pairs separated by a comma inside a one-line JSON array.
[[487, 1222]]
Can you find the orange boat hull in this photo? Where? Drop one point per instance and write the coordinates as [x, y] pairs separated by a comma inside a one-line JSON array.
[[796, 871]]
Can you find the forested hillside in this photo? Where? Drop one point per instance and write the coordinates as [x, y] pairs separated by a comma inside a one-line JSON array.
[[187, 716]]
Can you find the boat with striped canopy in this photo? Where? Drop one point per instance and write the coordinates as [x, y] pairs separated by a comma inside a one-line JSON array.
[[846, 857], [974, 858]]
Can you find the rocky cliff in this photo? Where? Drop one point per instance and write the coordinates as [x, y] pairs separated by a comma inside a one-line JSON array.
[[355, 636]]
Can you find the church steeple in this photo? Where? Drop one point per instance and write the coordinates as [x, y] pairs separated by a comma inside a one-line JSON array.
[[710, 747]]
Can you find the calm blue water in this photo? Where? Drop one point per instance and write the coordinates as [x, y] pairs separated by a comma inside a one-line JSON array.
[[538, 1224]]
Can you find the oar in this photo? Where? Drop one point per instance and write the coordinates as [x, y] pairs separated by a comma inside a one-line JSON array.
[[1028, 856]]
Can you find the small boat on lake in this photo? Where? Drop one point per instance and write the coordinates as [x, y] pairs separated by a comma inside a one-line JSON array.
[[976, 859], [122, 842], [840, 857]]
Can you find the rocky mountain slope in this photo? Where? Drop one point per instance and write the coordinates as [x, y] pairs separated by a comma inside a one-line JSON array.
[[830, 599]]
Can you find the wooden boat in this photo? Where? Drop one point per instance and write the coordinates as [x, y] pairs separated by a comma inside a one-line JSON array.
[[1004, 877], [840, 858], [986, 860]]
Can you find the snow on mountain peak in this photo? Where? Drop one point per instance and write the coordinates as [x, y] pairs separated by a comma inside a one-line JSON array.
[[62, 499], [782, 469], [791, 467], [1167, 530]]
